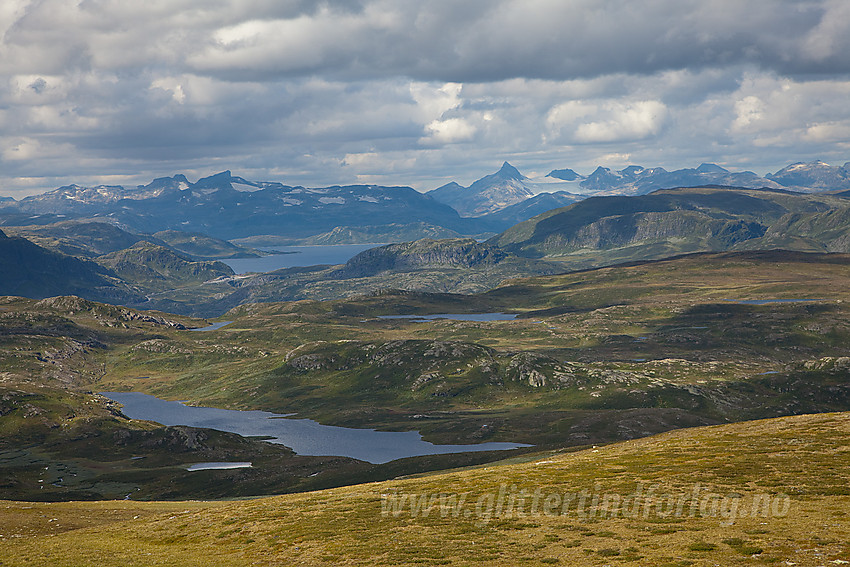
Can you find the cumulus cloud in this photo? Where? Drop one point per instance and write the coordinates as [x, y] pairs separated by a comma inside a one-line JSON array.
[[606, 121], [422, 91], [449, 131]]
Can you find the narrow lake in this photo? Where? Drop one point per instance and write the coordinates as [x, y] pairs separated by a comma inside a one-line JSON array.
[[218, 466], [213, 327], [769, 301], [455, 317], [298, 256], [304, 436]]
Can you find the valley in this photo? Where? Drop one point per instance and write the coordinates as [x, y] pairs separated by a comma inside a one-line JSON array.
[[592, 357], [662, 330], [369, 283]]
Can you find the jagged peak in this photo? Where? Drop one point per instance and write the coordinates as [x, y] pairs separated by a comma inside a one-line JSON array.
[[510, 172], [160, 181], [223, 179]]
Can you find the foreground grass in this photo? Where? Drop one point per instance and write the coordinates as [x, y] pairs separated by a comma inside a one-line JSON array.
[[800, 464]]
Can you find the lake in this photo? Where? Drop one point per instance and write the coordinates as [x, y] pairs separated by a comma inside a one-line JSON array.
[[769, 301], [219, 466], [213, 327], [304, 436], [455, 317], [298, 256]]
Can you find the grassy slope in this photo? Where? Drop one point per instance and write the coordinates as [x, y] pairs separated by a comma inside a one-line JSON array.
[[156, 268], [804, 457]]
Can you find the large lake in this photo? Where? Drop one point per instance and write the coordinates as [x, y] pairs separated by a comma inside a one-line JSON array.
[[304, 436], [298, 256]]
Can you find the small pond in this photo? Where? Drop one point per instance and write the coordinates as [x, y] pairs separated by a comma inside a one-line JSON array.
[[213, 327]]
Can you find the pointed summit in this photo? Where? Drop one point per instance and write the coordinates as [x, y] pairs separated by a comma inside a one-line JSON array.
[[509, 172], [490, 193]]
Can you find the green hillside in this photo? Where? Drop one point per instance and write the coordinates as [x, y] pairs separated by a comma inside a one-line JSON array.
[[606, 230], [30, 270], [86, 239], [93, 238], [202, 247], [157, 268]]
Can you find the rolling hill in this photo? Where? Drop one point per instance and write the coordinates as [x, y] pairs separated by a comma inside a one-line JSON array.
[[605, 230], [32, 271]]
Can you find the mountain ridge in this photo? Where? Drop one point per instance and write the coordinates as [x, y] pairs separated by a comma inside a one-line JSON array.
[[671, 221]]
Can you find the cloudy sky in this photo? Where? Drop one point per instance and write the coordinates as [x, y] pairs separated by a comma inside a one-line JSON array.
[[414, 92]]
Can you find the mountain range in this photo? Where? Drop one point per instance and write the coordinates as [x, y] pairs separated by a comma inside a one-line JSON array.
[[228, 207], [637, 180], [508, 188]]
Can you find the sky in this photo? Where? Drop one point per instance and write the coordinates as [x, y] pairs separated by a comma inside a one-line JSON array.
[[414, 92]]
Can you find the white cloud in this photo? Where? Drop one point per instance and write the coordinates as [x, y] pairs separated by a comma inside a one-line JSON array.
[[606, 120], [748, 110], [426, 91], [449, 131]]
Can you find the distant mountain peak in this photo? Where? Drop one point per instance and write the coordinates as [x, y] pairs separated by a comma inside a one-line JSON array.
[[510, 172], [223, 179], [453, 186], [816, 175], [711, 168], [490, 193], [565, 174], [632, 170]]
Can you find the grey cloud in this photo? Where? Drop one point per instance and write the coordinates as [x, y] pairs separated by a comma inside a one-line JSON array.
[[325, 92], [471, 41], [487, 41]]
